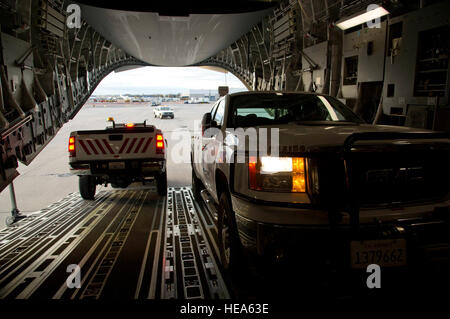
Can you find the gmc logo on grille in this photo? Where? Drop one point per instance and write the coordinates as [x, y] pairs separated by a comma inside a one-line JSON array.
[[396, 176]]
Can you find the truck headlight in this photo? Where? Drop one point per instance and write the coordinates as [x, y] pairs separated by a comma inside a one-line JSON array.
[[277, 174]]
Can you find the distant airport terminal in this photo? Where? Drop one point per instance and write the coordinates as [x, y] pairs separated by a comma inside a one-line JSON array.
[[191, 96]]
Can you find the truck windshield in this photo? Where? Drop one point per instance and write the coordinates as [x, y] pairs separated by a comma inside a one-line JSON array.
[[275, 108], [165, 108]]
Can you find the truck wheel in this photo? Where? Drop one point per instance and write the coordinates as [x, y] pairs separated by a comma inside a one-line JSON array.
[[197, 186], [161, 184], [229, 243], [87, 186]]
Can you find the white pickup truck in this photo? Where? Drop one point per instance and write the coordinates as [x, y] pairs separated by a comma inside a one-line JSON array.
[[163, 111], [121, 154], [329, 185]]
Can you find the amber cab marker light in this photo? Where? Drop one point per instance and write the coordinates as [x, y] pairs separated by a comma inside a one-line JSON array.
[[129, 125]]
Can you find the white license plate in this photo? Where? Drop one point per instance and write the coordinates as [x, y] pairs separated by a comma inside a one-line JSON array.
[[116, 165], [385, 253]]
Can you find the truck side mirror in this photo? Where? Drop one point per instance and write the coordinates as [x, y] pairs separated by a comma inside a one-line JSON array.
[[206, 122]]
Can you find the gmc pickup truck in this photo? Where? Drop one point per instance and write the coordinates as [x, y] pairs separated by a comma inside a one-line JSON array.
[[121, 154], [323, 184]]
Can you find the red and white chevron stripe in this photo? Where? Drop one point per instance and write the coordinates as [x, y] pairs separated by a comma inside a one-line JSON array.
[[133, 145]]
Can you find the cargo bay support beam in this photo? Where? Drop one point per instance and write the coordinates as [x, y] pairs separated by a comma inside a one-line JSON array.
[[48, 71]]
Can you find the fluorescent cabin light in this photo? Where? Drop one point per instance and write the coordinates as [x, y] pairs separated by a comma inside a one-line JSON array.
[[361, 18]]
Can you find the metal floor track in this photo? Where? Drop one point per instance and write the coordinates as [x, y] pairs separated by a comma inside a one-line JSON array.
[[129, 244]]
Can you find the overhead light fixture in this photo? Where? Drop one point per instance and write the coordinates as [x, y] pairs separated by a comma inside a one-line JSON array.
[[360, 18]]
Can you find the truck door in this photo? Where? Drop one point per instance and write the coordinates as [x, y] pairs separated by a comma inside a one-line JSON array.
[[211, 148], [204, 140]]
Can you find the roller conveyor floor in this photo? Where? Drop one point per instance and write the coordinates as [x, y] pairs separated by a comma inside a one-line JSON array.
[[128, 244]]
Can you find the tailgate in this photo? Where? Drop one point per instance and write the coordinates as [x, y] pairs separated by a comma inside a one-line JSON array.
[[114, 145]]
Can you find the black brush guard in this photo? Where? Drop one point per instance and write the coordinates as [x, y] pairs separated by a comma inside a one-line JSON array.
[[348, 158]]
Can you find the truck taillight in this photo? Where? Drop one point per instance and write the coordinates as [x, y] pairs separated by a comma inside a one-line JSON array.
[[72, 146], [159, 144]]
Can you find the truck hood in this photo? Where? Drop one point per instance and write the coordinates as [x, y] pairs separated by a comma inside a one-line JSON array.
[[313, 138]]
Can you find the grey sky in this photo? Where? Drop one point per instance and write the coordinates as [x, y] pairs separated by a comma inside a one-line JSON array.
[[165, 80]]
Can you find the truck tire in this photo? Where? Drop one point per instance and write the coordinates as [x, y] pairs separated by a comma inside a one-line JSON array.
[[87, 186], [161, 184], [228, 239], [197, 186]]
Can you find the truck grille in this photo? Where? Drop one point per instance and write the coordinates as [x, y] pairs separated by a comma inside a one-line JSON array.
[[382, 178], [399, 177]]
